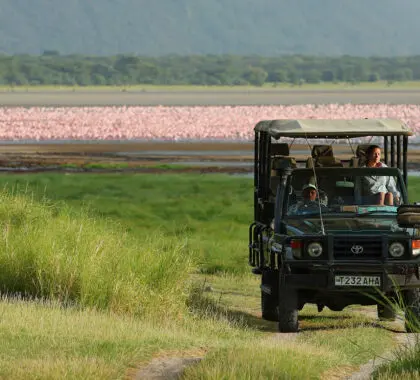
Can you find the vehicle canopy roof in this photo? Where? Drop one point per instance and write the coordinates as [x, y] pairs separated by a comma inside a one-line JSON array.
[[330, 128]]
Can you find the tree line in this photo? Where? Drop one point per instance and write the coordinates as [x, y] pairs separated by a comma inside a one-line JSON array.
[[51, 68]]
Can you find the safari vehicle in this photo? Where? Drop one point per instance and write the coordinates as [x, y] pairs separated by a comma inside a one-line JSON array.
[[340, 250]]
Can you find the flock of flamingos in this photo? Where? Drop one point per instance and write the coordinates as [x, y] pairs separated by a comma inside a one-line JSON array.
[[233, 123]]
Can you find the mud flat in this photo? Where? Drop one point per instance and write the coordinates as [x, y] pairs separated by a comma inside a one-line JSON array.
[[205, 157], [50, 98]]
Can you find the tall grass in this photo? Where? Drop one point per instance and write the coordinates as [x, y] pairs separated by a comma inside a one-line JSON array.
[[405, 365], [213, 211], [51, 251]]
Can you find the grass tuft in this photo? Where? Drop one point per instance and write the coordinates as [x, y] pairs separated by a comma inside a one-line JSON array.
[[54, 252]]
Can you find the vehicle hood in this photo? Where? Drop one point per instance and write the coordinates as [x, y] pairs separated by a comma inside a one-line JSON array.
[[343, 225]]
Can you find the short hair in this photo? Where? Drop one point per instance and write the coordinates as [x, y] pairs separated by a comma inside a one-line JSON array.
[[371, 149]]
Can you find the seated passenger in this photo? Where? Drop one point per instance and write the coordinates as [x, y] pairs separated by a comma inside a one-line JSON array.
[[379, 189], [309, 200]]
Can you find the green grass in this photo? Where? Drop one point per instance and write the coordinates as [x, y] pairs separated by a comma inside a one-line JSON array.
[[110, 321], [45, 340], [212, 211], [404, 366], [330, 342], [53, 252]]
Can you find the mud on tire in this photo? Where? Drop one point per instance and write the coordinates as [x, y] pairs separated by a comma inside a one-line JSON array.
[[288, 310]]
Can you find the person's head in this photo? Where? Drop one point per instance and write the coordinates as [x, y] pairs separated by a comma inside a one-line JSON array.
[[373, 154], [309, 192]]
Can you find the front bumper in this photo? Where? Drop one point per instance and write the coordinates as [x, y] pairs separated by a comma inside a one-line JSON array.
[[322, 276]]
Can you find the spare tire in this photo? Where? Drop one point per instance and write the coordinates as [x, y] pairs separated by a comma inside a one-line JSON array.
[[408, 219], [411, 209]]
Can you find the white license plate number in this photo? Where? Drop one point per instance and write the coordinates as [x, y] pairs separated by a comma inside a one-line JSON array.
[[357, 280]]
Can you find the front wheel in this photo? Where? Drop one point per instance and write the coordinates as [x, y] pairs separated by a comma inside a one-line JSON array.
[[269, 301], [269, 307], [412, 310], [386, 312], [288, 310]]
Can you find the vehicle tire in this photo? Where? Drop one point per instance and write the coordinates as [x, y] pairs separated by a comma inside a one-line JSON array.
[[269, 302], [386, 312], [269, 307], [412, 310], [288, 310], [408, 219], [408, 209]]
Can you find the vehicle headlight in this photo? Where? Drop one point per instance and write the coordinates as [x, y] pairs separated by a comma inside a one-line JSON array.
[[396, 249], [314, 249]]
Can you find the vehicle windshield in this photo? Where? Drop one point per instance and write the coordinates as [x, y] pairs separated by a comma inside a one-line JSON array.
[[341, 191]]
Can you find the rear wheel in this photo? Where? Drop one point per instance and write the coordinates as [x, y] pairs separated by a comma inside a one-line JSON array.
[[412, 310], [288, 310], [386, 313]]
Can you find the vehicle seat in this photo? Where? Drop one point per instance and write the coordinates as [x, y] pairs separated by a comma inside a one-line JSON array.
[[280, 160], [322, 156], [360, 158]]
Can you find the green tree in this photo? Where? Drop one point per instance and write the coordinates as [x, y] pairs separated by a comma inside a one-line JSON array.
[[278, 76], [374, 77], [256, 76], [312, 76], [328, 76]]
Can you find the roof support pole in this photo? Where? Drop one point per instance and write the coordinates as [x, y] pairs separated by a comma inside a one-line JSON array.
[[393, 151], [399, 152], [405, 148], [256, 174], [386, 149]]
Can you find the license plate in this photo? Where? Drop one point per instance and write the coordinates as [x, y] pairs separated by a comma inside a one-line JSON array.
[[357, 280]]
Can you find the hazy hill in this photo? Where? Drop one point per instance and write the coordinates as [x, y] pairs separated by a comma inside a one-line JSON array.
[[157, 27]]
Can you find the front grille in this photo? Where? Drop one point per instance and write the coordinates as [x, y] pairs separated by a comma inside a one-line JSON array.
[[350, 247]]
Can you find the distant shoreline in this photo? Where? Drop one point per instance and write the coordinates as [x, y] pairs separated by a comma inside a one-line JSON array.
[[204, 96]]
